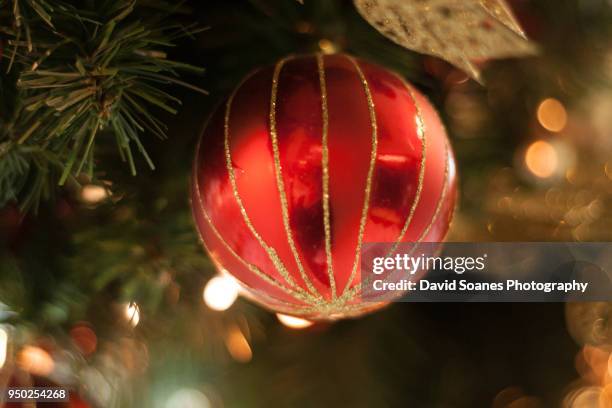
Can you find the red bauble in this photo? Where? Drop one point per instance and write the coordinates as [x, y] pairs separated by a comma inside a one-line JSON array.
[[305, 162]]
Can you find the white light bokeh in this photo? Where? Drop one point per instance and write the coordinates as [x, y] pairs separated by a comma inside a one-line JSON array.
[[132, 313], [220, 293], [93, 194], [3, 346], [293, 322], [188, 398]]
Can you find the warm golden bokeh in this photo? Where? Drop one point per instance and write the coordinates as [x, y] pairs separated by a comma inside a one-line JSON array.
[[541, 159], [327, 46], [93, 194], [552, 115], [238, 345], [35, 360]]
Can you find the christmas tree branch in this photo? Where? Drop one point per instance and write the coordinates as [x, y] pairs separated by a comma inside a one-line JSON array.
[[85, 74]]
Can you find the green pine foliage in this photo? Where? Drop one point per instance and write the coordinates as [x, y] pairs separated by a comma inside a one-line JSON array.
[[83, 72]]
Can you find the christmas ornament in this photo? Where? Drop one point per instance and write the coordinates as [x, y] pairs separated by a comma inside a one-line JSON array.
[[307, 161], [458, 31]]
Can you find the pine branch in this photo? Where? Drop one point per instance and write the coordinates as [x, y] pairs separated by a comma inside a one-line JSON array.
[[86, 75]]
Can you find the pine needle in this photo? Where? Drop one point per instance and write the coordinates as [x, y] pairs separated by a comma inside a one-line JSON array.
[[83, 70]]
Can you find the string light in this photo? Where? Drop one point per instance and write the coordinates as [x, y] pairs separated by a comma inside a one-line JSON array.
[[3, 346], [132, 313], [552, 115], [93, 194], [293, 322], [238, 346], [542, 159], [327, 47], [220, 293], [35, 360]]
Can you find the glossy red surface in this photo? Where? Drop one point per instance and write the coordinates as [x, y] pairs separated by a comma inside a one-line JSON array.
[[244, 230]]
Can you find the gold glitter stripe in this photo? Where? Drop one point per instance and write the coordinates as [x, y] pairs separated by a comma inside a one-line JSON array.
[[439, 204], [442, 196], [325, 174], [334, 311], [358, 289], [276, 261], [251, 267], [368, 188], [266, 299], [421, 131], [279, 177]]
